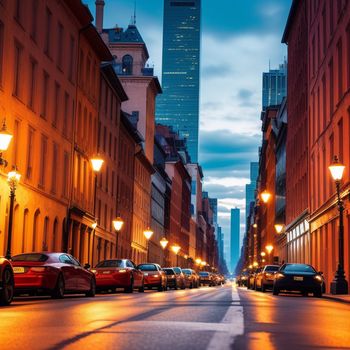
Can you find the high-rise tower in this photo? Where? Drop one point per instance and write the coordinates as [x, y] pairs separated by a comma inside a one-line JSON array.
[[235, 235], [179, 104]]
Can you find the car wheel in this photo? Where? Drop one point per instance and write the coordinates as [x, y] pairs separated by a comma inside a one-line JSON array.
[[175, 287], [191, 285], [317, 293], [305, 294], [160, 288], [58, 292], [91, 293], [6, 294], [275, 291], [142, 288], [263, 288], [130, 289]]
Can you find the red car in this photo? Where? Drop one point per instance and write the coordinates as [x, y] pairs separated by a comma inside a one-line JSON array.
[[118, 273], [154, 276], [7, 285], [52, 274]]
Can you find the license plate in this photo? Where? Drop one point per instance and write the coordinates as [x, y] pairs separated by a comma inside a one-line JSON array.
[[298, 278], [18, 269], [106, 272]]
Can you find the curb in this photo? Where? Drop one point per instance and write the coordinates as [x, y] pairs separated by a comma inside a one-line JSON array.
[[335, 299]]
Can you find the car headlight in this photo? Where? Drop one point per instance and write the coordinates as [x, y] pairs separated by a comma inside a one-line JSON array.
[[279, 275], [318, 278]]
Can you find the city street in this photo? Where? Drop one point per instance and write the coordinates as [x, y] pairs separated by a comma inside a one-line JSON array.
[[205, 318]]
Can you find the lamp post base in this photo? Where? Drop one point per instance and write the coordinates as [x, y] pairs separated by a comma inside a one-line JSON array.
[[339, 285]]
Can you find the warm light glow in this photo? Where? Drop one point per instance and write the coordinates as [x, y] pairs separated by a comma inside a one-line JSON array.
[[262, 253], [13, 177], [148, 233], [118, 223], [164, 242], [336, 169], [278, 228], [186, 256], [96, 164], [5, 138], [198, 261], [175, 248], [250, 266], [265, 196], [255, 225], [94, 225], [263, 260], [269, 248], [255, 264], [203, 263]]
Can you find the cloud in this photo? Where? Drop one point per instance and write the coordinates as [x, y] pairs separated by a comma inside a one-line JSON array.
[[215, 71]]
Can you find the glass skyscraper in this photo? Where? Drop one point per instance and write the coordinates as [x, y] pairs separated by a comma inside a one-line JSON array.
[[274, 86], [178, 106]]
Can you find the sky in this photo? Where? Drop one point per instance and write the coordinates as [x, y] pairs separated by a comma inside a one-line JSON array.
[[239, 41]]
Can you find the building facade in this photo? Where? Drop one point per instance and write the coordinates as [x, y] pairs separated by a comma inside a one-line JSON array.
[[235, 229], [180, 71]]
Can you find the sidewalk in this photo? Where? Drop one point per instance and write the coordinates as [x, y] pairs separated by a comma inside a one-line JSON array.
[[344, 298]]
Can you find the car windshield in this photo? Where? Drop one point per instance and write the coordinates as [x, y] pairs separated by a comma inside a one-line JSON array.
[[187, 272], [298, 268], [35, 257], [169, 271], [110, 263], [177, 270], [204, 274], [147, 267], [271, 268]]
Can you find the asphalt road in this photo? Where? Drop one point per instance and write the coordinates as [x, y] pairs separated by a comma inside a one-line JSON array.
[[208, 318]]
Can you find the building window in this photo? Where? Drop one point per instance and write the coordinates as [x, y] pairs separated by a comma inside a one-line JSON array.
[[43, 155], [65, 115], [18, 10], [45, 95], [1, 49], [340, 69], [72, 59], [47, 47], [340, 141], [60, 45], [17, 69], [127, 62], [331, 87], [32, 83], [33, 29], [54, 167], [30, 153], [56, 104], [65, 174], [324, 101]]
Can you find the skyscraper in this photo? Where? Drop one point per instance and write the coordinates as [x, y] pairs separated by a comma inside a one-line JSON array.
[[179, 104], [235, 237], [274, 86]]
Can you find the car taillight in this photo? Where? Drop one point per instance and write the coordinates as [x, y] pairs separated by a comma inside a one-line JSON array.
[[40, 269], [279, 275], [122, 270], [267, 274], [94, 271], [156, 275]]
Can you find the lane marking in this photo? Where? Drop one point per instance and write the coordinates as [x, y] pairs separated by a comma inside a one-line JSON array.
[[232, 326]]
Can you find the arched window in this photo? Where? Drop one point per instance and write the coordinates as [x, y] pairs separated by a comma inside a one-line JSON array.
[[24, 230], [54, 235], [16, 238], [127, 62], [35, 230], [45, 233]]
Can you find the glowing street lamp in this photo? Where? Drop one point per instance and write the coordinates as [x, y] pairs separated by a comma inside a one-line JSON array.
[[176, 248], [265, 196], [13, 178], [255, 264], [278, 228], [5, 138], [164, 242], [148, 234], [262, 253], [339, 285], [94, 225], [269, 248], [118, 223], [198, 261], [255, 225], [96, 164]]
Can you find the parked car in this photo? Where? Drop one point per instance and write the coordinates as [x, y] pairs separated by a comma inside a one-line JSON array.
[[154, 276], [298, 277], [191, 278], [206, 278], [251, 278], [242, 279], [171, 278], [181, 281], [7, 282], [264, 279], [52, 274], [118, 273]]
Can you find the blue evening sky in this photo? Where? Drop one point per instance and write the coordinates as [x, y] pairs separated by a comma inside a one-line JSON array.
[[239, 39]]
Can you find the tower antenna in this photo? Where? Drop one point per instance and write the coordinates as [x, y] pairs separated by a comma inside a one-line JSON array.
[[133, 19]]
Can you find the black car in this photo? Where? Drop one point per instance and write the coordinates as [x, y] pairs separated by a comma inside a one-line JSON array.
[[171, 277], [298, 277]]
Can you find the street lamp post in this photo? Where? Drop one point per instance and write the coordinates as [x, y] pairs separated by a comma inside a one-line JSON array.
[[148, 234], [176, 248], [339, 285], [269, 249], [117, 224], [13, 178]]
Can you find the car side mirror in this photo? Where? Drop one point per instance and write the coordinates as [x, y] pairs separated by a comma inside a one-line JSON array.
[[87, 266]]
